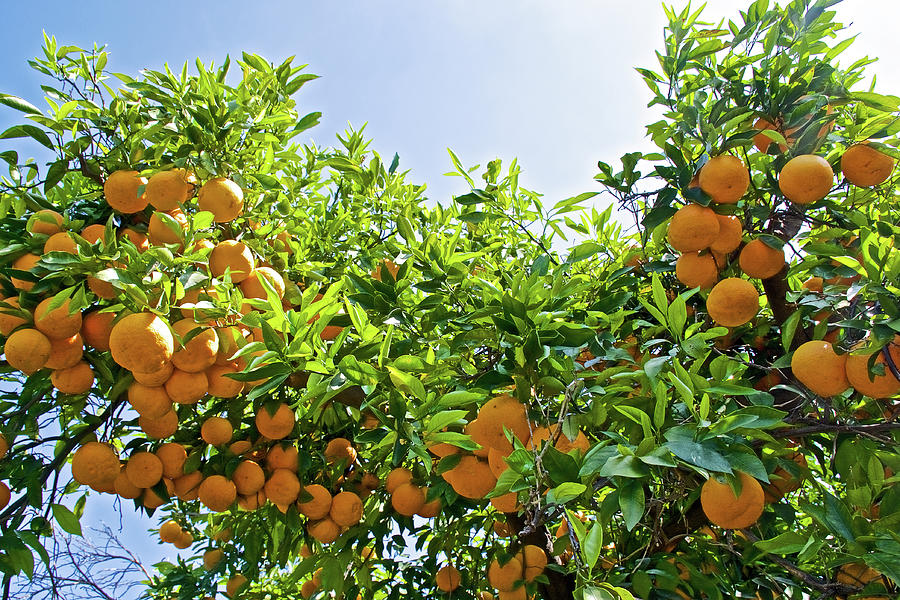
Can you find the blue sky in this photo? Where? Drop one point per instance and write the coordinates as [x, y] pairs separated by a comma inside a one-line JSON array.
[[551, 83]]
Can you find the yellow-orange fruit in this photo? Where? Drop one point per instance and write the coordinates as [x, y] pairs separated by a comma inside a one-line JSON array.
[[874, 386], [61, 242], [729, 238], [77, 379], [217, 493], [121, 191], [124, 488], [252, 288], [186, 388], [160, 233], [95, 463], [346, 509], [563, 443], [408, 499], [760, 260], [144, 469], [282, 487], [138, 239], [223, 198], [184, 540], [241, 447], [447, 579], [221, 386], [325, 531], [156, 378], [149, 401], [248, 478], [441, 449], [732, 302], [396, 478], [169, 531], [93, 233], [212, 558], [65, 353], [534, 559], [504, 577], [697, 270], [865, 166], [24, 263], [814, 284], [471, 478], [275, 426], [723, 508], [507, 503], [281, 457], [231, 256], [806, 179], [45, 222], [216, 431], [159, 427], [340, 450], [725, 178], [9, 321], [57, 323], [497, 462], [151, 500], [693, 228], [430, 509], [166, 190], [762, 141], [816, 365], [141, 342], [4, 446], [235, 584], [172, 456], [96, 327], [27, 350], [499, 413], [319, 505], [857, 574], [187, 487]]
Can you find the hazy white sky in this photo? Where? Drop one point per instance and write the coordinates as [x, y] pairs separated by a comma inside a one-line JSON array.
[[549, 82]]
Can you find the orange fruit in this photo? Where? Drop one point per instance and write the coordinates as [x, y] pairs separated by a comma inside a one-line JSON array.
[[762, 141], [725, 178], [865, 166], [141, 342], [235, 584], [317, 507], [10, 317], [159, 427], [729, 237], [507, 503], [857, 574], [102, 289], [534, 559], [221, 386], [96, 327], [388, 265], [198, 352], [252, 288], [732, 302], [65, 353], [499, 413], [149, 401], [217, 493], [563, 443], [496, 459], [212, 557], [169, 531], [340, 450], [223, 198], [760, 260], [806, 179], [697, 270], [184, 540], [504, 577], [144, 469], [57, 323], [441, 449], [151, 500], [186, 388], [77, 379], [396, 478], [346, 509], [166, 190], [4, 445], [241, 447], [248, 478], [408, 499], [24, 263], [187, 487], [430, 509], [275, 426], [874, 386], [234, 257], [124, 488], [93, 233], [159, 233], [61, 242], [45, 222], [95, 463], [216, 431], [693, 228], [723, 508], [471, 478], [138, 239], [172, 456], [281, 457], [447, 579], [27, 350], [816, 365], [121, 191], [282, 487], [325, 531]]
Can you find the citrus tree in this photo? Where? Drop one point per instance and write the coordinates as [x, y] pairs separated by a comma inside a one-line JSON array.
[[324, 384]]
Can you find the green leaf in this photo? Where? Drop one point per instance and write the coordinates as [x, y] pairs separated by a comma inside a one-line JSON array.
[[592, 545], [565, 492], [19, 104], [17, 131], [631, 501], [407, 383], [444, 418], [700, 455], [624, 466], [66, 519], [788, 542]]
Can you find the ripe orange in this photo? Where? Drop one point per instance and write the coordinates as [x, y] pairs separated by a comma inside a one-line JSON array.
[[121, 191], [24, 263], [693, 228], [447, 579], [221, 386], [144, 469], [124, 488], [814, 284], [283, 487], [172, 456], [27, 350], [325, 531], [281, 457], [725, 178], [471, 478], [865, 166], [101, 289], [507, 503], [77, 379], [141, 342], [563, 444], [806, 179], [235, 585], [138, 239], [729, 238], [217, 493], [96, 327], [223, 198], [10, 317], [732, 302], [499, 413], [45, 222], [58, 323], [149, 401], [408, 499], [200, 351], [169, 531], [248, 478], [241, 447], [61, 242], [430, 509], [159, 427], [496, 459], [212, 557], [396, 478], [874, 386], [152, 500], [186, 388], [159, 233], [95, 463], [317, 507], [4, 446], [760, 260], [697, 270], [346, 509], [816, 365], [534, 559], [386, 264], [231, 256], [504, 577], [441, 449], [187, 487], [93, 233], [762, 141], [723, 508], [184, 540], [340, 450], [252, 288], [166, 190], [277, 426], [216, 431], [65, 353]]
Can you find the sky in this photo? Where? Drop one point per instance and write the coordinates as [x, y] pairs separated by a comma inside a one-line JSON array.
[[551, 83]]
